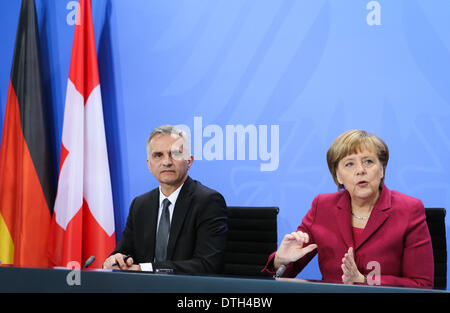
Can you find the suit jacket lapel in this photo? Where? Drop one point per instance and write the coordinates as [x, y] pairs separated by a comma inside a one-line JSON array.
[[152, 217], [379, 215], [181, 208], [343, 218]]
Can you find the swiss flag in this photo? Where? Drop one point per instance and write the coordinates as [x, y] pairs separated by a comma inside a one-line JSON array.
[[83, 219]]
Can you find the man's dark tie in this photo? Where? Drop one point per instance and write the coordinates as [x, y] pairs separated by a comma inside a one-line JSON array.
[[162, 237]]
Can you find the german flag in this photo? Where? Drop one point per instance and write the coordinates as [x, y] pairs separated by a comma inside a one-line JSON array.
[[26, 181]]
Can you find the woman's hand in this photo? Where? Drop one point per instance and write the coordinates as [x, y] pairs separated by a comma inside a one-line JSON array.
[[292, 248], [350, 271]]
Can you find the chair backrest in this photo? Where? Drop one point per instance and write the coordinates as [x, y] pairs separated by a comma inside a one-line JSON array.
[[252, 237], [436, 225]]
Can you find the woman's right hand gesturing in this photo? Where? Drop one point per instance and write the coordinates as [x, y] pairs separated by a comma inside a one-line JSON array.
[[292, 248]]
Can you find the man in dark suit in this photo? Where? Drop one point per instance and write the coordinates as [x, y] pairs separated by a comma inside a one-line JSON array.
[[182, 225]]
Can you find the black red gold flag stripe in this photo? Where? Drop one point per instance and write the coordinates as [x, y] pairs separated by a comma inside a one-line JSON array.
[[26, 180]]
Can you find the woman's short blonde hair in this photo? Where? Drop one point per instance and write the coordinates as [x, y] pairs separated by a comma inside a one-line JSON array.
[[354, 141]]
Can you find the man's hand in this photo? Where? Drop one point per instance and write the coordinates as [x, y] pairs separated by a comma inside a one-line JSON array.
[[116, 261]]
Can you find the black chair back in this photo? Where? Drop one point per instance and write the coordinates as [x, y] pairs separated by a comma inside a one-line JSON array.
[[252, 237], [436, 225]]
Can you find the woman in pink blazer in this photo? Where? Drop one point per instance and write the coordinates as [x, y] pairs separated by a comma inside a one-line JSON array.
[[364, 233]]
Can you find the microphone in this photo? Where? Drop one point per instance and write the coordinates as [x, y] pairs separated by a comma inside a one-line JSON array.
[[89, 261], [280, 271]]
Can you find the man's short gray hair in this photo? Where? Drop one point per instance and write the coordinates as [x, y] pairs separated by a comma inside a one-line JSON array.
[[171, 130]]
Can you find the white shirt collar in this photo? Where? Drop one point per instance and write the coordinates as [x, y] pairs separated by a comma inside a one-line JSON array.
[[172, 198]]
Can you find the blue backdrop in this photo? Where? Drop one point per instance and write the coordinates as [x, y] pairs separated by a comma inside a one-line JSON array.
[[264, 87]]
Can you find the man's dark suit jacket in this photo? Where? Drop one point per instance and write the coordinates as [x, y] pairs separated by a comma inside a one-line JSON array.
[[198, 231]]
